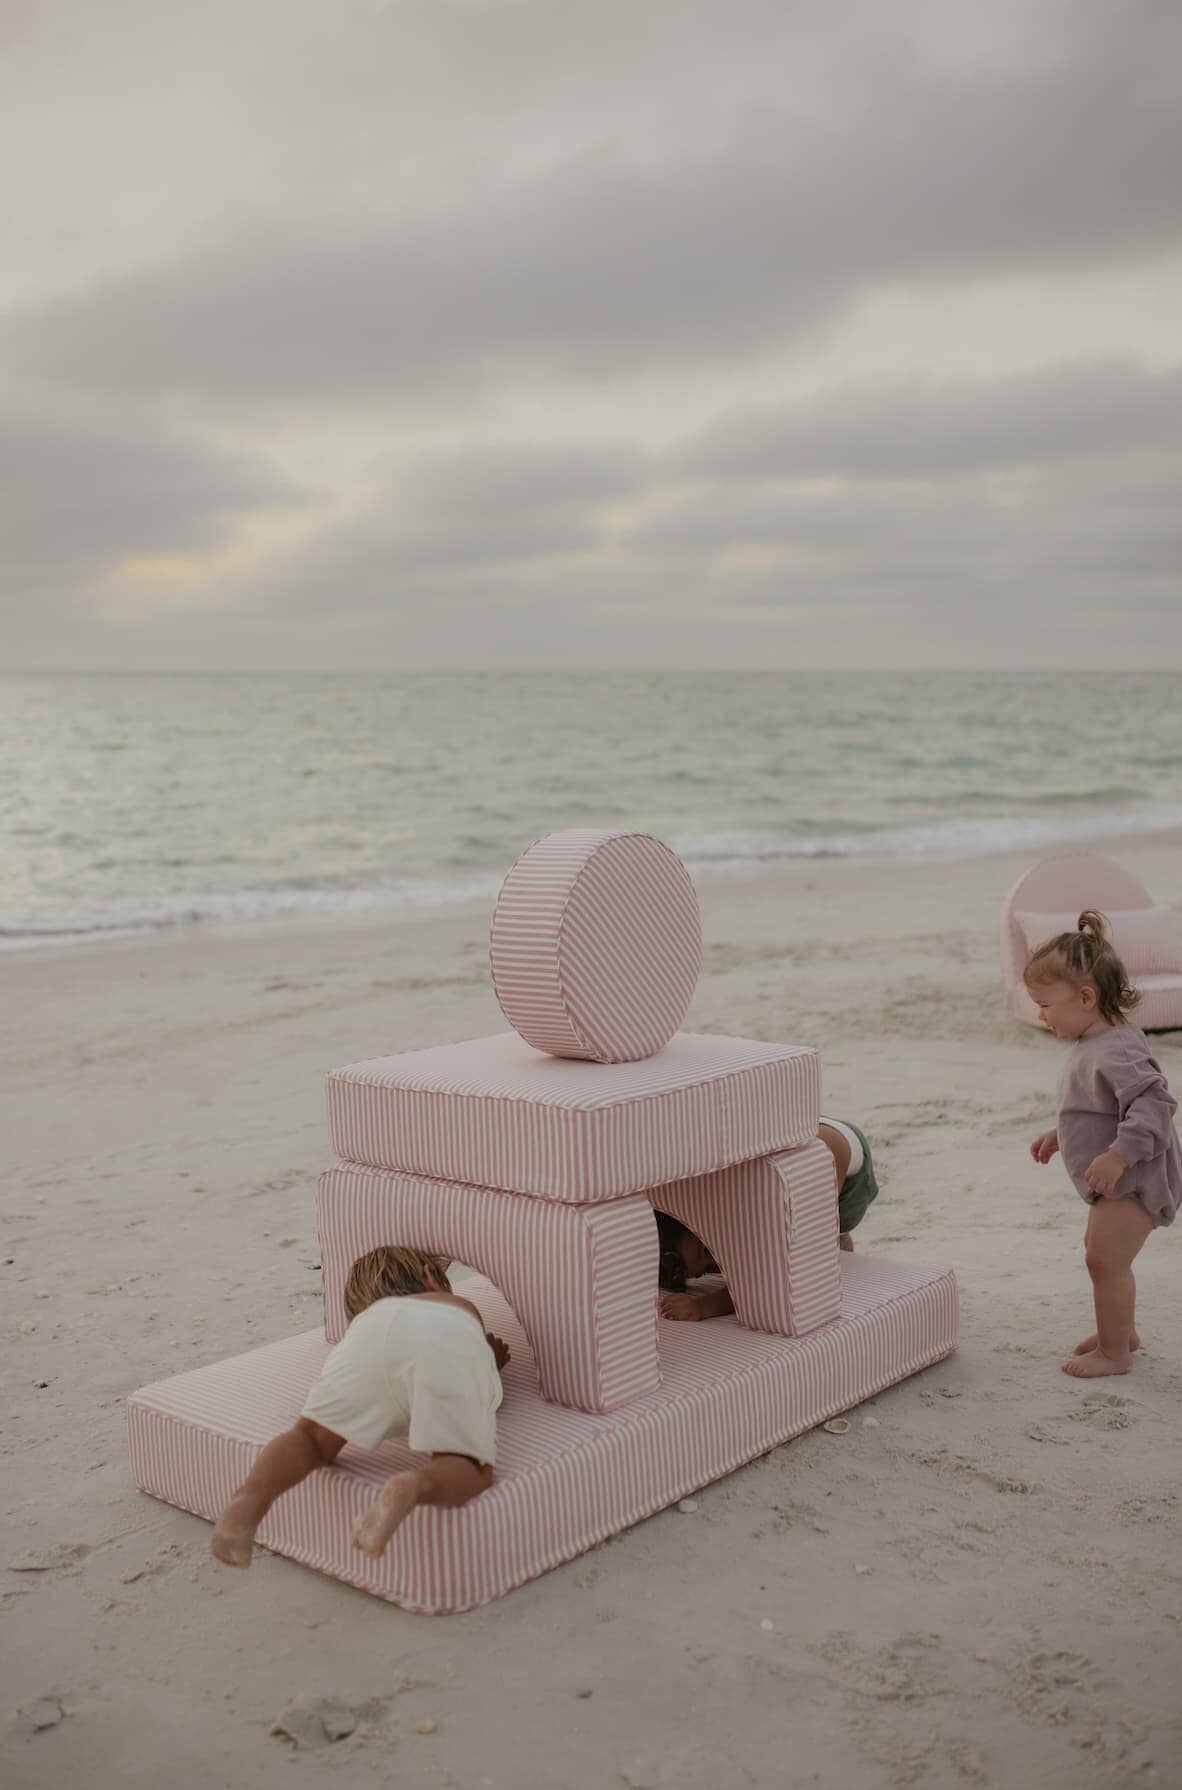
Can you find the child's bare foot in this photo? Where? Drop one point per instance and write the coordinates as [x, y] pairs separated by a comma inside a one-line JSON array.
[[1093, 1342], [374, 1527], [233, 1537], [1095, 1363], [845, 1241]]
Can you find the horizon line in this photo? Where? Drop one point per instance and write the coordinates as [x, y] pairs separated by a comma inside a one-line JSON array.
[[1156, 669]]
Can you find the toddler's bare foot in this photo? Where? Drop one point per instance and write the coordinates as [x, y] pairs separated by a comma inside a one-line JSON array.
[[1093, 1342], [374, 1527], [845, 1241], [233, 1537], [1093, 1365]]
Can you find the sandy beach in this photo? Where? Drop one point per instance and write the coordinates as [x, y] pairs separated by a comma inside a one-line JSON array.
[[973, 1586]]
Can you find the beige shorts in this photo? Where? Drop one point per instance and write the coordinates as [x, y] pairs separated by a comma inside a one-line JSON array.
[[415, 1368]]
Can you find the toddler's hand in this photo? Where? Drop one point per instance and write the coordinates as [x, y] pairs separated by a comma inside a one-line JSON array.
[[1103, 1174], [1044, 1147], [681, 1306], [500, 1350]]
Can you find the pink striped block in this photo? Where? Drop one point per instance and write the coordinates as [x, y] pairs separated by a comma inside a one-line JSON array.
[[582, 1279], [771, 1225], [495, 1112], [596, 944], [565, 1480]]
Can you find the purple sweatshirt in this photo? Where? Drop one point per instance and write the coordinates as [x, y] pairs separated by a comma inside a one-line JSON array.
[[1113, 1096]]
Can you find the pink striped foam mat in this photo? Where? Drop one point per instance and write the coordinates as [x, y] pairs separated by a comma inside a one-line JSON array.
[[497, 1113], [565, 1479]]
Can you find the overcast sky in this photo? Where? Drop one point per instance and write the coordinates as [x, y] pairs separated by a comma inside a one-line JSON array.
[[522, 332]]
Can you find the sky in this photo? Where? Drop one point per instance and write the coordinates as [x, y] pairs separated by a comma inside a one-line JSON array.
[[397, 333]]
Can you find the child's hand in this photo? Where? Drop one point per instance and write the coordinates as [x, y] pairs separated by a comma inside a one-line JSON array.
[[681, 1306], [1103, 1174], [1044, 1147], [500, 1350]]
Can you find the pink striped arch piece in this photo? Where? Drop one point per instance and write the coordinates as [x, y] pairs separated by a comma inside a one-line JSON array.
[[582, 1279], [771, 1225], [495, 1112], [564, 1479], [596, 945]]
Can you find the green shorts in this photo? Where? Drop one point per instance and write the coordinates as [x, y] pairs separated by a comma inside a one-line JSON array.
[[857, 1191]]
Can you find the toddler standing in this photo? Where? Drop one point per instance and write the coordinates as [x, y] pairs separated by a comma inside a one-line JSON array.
[[1114, 1127]]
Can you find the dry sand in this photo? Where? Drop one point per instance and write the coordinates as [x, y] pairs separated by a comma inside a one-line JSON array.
[[976, 1585]]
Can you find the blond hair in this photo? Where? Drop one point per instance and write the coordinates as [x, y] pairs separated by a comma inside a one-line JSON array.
[[390, 1273], [1085, 955]]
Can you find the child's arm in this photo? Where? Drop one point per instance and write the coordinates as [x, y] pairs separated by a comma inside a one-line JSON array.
[[1146, 1111], [500, 1349], [1044, 1147], [686, 1307]]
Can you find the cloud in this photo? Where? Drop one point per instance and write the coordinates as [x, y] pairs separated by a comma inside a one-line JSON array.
[[78, 495], [923, 428], [459, 268], [983, 507], [454, 524], [601, 264]]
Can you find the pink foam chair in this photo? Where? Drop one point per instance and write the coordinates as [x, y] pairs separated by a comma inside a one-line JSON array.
[[1049, 898]]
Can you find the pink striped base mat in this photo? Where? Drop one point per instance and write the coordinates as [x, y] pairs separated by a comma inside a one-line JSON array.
[[565, 1480]]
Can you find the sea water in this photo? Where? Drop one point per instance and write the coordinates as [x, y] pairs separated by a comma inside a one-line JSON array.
[[130, 803]]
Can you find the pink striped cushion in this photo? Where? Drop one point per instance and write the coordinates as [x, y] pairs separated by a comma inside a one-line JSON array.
[[565, 1480], [771, 1225], [596, 945], [582, 1279], [496, 1113]]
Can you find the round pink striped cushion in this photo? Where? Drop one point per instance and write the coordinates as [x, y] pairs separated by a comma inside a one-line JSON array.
[[596, 945]]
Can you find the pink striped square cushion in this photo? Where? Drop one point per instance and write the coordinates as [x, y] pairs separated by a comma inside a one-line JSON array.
[[498, 1113], [565, 1479]]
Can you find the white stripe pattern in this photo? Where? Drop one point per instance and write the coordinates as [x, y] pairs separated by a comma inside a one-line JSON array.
[[596, 944], [582, 1279], [495, 1112], [565, 1480], [771, 1226]]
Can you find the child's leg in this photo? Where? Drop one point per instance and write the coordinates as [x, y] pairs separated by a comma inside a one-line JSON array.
[[283, 1463], [1093, 1342], [1116, 1231], [839, 1148], [857, 1185], [447, 1479]]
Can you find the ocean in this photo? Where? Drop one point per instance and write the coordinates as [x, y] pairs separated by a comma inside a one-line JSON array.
[[134, 803]]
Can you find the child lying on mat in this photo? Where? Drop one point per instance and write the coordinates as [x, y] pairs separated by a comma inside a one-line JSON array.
[[683, 1257], [412, 1363]]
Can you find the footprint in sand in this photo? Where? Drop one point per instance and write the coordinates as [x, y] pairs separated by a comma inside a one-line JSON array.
[[1103, 1410], [311, 1721], [35, 1718]]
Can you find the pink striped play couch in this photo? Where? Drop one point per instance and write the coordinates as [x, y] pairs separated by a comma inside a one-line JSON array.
[[541, 1171]]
